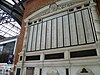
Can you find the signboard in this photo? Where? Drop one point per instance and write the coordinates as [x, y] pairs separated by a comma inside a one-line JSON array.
[[10, 59]]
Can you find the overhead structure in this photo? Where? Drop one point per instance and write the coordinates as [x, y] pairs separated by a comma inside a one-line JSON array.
[[11, 13], [14, 9]]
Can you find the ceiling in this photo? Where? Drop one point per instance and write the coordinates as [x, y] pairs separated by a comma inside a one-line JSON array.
[[11, 13]]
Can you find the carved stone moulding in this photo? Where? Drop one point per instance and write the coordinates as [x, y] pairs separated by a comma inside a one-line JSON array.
[[52, 72], [57, 6], [53, 7]]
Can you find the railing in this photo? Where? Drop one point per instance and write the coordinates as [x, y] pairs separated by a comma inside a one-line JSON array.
[[74, 27]]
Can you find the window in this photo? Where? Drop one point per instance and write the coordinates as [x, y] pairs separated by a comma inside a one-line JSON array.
[[40, 72], [6, 50], [54, 56], [84, 53], [30, 58], [18, 71], [67, 71], [20, 58]]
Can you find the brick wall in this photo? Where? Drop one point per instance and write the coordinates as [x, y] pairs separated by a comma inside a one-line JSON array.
[[19, 45], [30, 7], [33, 5], [98, 5]]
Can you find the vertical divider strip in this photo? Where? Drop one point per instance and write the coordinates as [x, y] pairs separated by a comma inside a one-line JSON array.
[[63, 31], [46, 35], [69, 29], [51, 35], [36, 36], [56, 32]]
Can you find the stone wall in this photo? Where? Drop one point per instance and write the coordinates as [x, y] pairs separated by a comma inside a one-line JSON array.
[[30, 7]]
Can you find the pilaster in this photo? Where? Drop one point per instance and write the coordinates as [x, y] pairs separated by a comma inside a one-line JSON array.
[[95, 19]]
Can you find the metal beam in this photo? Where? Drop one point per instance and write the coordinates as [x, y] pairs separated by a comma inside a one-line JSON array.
[[14, 10]]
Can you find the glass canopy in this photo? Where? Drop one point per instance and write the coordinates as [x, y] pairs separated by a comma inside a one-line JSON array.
[[8, 26], [10, 1]]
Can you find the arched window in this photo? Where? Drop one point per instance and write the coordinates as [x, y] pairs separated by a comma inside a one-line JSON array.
[[84, 71]]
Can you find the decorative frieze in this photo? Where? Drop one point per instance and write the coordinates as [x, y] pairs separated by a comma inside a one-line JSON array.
[[53, 7], [57, 6]]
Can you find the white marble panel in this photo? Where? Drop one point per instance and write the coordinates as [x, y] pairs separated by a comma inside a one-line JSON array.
[[43, 35], [80, 30], [48, 37], [53, 33], [34, 37], [93, 24], [73, 29], [60, 32], [38, 37], [30, 39], [87, 25], [66, 31]]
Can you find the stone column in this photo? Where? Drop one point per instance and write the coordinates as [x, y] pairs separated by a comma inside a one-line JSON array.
[[95, 18], [23, 71], [42, 57], [36, 71], [24, 48], [66, 55], [25, 37]]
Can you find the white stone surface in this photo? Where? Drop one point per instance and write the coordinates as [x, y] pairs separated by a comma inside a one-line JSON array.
[[80, 29], [30, 38], [72, 29], [54, 33], [48, 38], [34, 38], [75, 65], [87, 25], [66, 31], [43, 36], [60, 32], [38, 37]]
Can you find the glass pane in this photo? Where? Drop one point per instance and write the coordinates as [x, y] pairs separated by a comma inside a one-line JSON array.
[[8, 26], [10, 1]]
